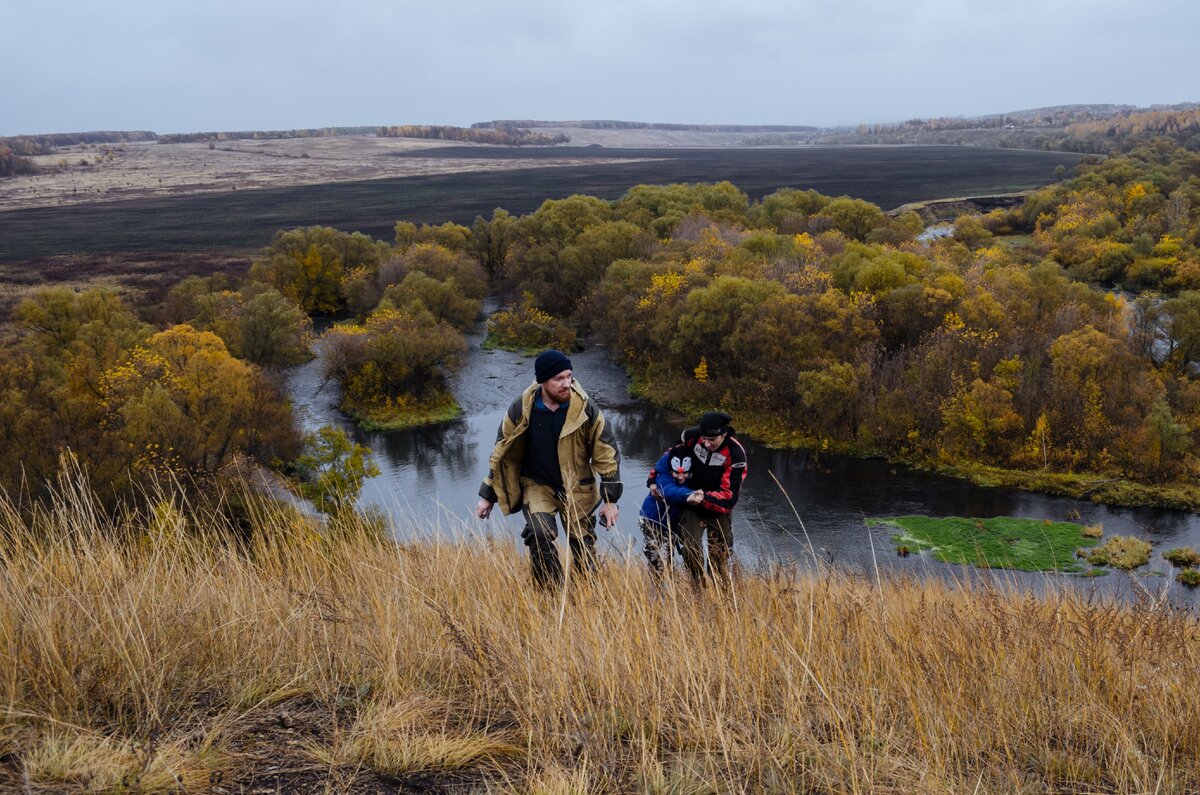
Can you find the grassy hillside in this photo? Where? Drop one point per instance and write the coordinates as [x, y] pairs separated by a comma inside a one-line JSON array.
[[150, 654]]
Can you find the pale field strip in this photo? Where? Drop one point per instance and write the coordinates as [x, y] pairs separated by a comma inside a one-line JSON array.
[[145, 170]]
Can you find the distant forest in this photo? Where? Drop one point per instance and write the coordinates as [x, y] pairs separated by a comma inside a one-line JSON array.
[[639, 125], [502, 134], [1092, 129]]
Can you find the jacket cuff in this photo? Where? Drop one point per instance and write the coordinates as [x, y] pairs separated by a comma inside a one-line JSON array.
[[488, 493], [610, 490]]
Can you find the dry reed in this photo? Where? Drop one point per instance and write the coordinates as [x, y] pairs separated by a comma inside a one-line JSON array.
[[153, 653]]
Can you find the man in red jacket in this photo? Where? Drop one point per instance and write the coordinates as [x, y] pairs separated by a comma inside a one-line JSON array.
[[718, 470]]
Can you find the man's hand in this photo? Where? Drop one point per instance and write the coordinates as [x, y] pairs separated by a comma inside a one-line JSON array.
[[654, 492], [695, 498], [608, 515], [483, 508]]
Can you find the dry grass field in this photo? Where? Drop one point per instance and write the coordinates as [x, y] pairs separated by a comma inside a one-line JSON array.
[[111, 172], [152, 654]]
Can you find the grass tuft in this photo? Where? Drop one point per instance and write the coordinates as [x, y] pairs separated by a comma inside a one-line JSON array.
[[1182, 557], [1121, 552], [89, 761]]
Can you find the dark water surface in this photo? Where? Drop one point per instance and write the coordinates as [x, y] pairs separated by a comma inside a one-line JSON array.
[[430, 477]]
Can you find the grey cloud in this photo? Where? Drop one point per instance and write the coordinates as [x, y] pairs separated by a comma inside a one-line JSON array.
[[239, 64]]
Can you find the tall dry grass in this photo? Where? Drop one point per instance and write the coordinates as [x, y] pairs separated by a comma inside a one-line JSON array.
[[152, 653]]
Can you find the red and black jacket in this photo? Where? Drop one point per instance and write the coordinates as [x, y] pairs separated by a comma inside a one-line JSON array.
[[718, 474]]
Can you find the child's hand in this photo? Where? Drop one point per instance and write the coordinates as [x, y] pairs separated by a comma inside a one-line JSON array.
[[695, 498]]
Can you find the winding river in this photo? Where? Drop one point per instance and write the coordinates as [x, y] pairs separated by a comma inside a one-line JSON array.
[[430, 476]]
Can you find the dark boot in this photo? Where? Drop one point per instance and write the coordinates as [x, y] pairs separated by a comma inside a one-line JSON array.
[[539, 536]]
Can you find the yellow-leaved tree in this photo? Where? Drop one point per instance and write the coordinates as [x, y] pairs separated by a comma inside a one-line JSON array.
[[182, 404]]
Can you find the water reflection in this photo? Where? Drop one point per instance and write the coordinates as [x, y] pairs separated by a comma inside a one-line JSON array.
[[441, 451]]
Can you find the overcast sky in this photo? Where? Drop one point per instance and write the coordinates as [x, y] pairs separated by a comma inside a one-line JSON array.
[[196, 65]]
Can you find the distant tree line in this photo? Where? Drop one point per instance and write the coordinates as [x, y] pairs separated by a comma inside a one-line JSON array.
[[1127, 130], [1096, 129], [595, 124], [46, 144], [505, 135], [259, 135], [26, 145]]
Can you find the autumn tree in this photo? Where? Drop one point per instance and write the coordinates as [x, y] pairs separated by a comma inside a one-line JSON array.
[[256, 323], [489, 240], [183, 404], [1182, 327], [981, 423], [308, 265], [659, 208], [854, 218], [399, 358], [445, 301]]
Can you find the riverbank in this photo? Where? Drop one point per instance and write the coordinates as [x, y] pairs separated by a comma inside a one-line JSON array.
[[150, 654]]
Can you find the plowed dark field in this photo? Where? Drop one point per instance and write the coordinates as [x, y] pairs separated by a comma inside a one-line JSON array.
[[243, 221]]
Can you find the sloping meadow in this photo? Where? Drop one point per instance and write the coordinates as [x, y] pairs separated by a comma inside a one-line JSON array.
[[152, 652]]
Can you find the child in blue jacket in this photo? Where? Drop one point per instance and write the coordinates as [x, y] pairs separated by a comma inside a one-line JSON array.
[[660, 511]]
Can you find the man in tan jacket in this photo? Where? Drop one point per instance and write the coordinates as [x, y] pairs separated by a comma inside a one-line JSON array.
[[554, 455]]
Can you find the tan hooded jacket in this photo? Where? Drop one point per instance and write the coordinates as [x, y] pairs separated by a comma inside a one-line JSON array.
[[586, 448]]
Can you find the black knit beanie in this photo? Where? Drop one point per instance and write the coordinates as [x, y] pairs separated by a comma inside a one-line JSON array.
[[714, 423], [549, 364]]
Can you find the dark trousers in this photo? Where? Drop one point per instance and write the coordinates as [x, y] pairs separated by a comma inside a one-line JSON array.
[[693, 524], [541, 510]]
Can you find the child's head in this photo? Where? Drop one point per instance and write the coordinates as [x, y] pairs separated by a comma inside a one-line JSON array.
[[681, 467]]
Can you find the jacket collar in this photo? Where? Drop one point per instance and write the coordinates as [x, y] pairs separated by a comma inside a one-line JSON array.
[[575, 409]]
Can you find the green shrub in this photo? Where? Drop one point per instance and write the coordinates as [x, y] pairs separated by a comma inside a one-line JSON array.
[[526, 327]]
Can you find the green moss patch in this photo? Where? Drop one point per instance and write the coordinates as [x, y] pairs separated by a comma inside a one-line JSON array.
[[1003, 542]]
